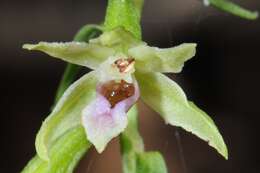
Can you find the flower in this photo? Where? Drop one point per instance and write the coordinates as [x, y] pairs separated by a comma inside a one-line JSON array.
[[100, 99], [105, 117]]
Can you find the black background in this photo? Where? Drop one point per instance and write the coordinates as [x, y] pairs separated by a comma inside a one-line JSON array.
[[223, 79]]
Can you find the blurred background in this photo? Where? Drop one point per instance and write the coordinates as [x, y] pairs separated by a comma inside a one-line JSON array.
[[223, 79]]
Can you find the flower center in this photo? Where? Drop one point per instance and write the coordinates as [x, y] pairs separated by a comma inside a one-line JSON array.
[[117, 91], [125, 65]]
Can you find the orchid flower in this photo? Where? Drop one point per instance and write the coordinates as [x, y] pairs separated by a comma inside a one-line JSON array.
[[102, 103], [124, 69]]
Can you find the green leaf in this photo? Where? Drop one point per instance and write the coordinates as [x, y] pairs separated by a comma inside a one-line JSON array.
[[234, 9], [123, 13], [150, 162], [66, 114], [162, 60], [167, 98], [84, 54], [65, 154], [87, 32]]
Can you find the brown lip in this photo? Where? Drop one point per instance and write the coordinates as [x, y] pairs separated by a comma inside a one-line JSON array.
[[117, 91]]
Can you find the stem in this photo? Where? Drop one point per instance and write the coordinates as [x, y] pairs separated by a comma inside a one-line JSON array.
[[68, 77], [126, 14], [139, 5], [234, 9]]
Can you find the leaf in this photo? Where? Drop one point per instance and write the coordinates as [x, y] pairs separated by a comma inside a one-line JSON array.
[[123, 14], [162, 60], [150, 162], [167, 98], [87, 32], [80, 53], [234, 9], [65, 154], [66, 114]]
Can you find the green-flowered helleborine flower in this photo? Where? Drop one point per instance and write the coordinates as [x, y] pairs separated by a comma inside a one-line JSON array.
[[100, 99]]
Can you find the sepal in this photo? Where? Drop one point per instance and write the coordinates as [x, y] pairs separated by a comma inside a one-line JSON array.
[[168, 99], [80, 53], [153, 59], [66, 114]]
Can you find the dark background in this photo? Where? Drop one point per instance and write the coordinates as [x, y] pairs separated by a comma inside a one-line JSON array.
[[223, 79]]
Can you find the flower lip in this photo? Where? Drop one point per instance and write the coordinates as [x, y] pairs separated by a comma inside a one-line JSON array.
[[115, 91], [101, 121]]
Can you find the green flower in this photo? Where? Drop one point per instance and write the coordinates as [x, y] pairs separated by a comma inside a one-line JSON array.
[[99, 101]]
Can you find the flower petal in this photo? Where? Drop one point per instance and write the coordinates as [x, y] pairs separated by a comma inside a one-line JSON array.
[[162, 60], [102, 123], [167, 98], [66, 114], [80, 53]]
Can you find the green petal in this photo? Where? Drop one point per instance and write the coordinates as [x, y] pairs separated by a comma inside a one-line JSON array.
[[66, 114], [80, 53], [64, 154], [118, 39], [234, 9], [167, 98], [162, 60]]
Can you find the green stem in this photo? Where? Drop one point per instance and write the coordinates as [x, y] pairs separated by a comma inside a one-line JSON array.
[[69, 75], [234, 9], [126, 14], [139, 6]]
